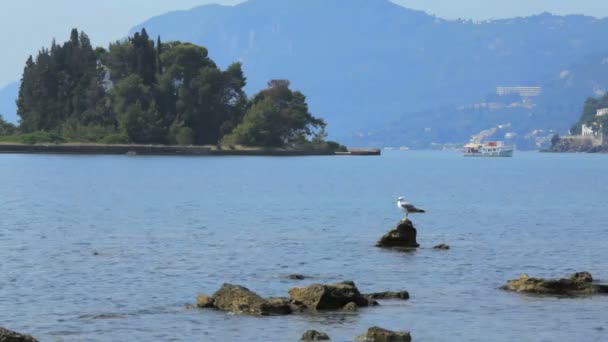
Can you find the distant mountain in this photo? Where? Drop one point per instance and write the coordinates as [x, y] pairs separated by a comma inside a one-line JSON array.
[[368, 62], [8, 107]]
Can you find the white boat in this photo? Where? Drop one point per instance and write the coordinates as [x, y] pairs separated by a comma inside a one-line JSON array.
[[488, 149]]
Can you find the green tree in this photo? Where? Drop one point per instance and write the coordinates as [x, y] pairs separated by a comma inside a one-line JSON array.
[[278, 117], [143, 92], [62, 83], [137, 113]]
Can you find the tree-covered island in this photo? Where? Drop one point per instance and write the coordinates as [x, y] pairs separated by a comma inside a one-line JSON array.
[[143, 92]]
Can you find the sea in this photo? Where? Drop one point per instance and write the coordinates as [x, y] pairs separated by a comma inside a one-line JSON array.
[[113, 248]]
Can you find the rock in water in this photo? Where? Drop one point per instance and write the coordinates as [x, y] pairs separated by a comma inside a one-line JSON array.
[[403, 295], [376, 334], [204, 302], [578, 284], [442, 246], [404, 235], [241, 300], [328, 296], [297, 277], [313, 335], [12, 336]]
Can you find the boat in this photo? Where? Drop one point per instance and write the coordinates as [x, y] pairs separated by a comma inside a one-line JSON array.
[[488, 149]]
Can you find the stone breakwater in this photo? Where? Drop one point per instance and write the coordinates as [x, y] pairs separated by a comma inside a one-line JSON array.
[[173, 150]]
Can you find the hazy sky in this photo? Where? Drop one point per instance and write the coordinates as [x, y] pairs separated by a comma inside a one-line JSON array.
[[27, 25]]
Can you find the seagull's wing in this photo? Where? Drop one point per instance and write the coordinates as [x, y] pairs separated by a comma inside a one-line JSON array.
[[411, 208]]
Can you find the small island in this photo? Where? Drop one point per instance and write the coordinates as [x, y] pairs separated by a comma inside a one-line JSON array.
[[145, 97]]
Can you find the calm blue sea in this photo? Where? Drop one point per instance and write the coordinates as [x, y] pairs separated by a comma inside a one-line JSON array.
[[110, 248]]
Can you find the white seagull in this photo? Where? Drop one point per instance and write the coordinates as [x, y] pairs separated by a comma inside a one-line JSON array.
[[407, 207]]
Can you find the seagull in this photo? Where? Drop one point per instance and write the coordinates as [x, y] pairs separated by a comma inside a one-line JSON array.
[[407, 207]]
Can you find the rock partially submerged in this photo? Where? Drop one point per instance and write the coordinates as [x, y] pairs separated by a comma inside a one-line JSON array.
[[580, 283], [340, 296], [297, 277], [241, 300], [442, 246], [404, 235], [403, 295], [328, 296], [12, 336], [313, 335], [376, 334]]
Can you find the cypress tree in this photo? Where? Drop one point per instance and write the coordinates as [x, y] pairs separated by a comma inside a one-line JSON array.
[[159, 52]]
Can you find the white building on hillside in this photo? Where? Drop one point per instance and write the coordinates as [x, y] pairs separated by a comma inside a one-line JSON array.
[[602, 112], [521, 91], [587, 131]]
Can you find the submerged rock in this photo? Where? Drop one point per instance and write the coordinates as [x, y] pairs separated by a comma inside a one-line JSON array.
[[328, 296], [404, 235], [442, 246], [297, 277], [376, 334], [313, 335], [12, 336], [578, 284], [241, 300], [404, 295]]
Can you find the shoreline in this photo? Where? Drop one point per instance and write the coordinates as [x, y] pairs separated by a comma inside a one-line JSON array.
[[164, 150]]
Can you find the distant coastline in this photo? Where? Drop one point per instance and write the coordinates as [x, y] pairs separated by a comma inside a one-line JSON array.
[[165, 150]]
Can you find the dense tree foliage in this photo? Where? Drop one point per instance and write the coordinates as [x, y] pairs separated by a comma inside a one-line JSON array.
[[142, 91], [278, 116]]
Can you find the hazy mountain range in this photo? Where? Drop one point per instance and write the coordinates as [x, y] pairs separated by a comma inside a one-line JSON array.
[[384, 75]]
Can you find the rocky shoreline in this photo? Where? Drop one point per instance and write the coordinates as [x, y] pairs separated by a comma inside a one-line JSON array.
[[162, 150]]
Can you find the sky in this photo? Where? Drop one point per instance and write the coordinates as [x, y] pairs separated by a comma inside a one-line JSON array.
[[28, 25]]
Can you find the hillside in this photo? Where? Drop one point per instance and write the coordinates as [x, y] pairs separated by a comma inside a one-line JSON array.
[[528, 123], [368, 62]]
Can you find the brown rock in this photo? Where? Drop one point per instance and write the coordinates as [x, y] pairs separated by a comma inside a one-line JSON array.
[[203, 301], [313, 335], [577, 284], [328, 296], [241, 300], [404, 235], [12, 336], [376, 334]]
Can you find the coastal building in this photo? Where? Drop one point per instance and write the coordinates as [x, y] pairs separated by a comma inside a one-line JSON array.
[[587, 131], [523, 91], [602, 112]]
